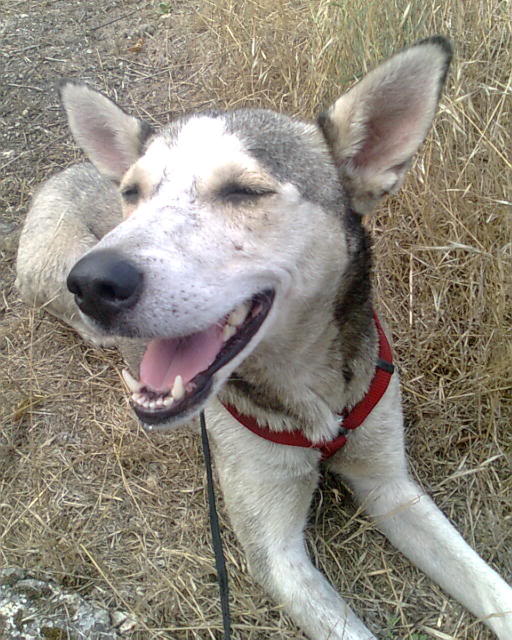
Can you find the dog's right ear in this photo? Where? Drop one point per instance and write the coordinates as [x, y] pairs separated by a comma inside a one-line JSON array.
[[111, 138]]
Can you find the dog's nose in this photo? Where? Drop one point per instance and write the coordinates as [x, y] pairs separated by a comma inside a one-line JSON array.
[[104, 283]]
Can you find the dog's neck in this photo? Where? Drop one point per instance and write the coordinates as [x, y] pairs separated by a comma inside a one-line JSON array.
[[323, 363]]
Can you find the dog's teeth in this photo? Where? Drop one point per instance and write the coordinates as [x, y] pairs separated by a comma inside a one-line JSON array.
[[133, 385], [178, 388], [158, 403], [228, 332], [238, 315]]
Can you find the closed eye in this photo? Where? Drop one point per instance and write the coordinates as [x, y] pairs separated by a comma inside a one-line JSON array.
[[131, 193], [235, 192]]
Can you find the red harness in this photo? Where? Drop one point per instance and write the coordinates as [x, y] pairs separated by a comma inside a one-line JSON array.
[[349, 420]]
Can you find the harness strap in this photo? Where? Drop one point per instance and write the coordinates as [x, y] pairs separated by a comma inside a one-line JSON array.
[[349, 420]]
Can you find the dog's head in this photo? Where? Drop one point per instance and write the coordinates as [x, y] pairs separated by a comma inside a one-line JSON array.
[[228, 217]]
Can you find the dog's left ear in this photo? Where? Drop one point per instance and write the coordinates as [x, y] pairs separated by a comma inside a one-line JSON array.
[[375, 129]]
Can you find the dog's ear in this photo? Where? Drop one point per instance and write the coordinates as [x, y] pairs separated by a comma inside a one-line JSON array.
[[111, 138], [375, 129]]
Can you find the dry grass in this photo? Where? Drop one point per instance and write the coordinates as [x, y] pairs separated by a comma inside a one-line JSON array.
[[121, 516]]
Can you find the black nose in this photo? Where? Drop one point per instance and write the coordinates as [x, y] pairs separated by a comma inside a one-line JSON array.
[[104, 283]]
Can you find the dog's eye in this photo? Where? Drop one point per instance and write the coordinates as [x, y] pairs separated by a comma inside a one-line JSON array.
[[131, 193], [234, 192]]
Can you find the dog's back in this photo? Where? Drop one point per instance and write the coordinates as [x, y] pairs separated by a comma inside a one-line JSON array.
[[70, 212]]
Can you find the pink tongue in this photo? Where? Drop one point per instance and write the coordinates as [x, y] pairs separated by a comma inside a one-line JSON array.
[[166, 358]]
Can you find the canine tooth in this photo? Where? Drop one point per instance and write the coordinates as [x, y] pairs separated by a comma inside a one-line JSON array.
[[133, 385], [228, 332], [138, 398], [168, 401], [238, 315], [178, 389]]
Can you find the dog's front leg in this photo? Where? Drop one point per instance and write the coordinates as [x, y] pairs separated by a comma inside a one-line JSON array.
[[412, 522], [267, 490], [374, 465]]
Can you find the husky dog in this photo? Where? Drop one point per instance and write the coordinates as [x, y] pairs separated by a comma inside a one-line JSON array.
[[230, 245]]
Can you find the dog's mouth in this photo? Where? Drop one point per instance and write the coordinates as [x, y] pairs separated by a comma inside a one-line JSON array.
[[176, 373]]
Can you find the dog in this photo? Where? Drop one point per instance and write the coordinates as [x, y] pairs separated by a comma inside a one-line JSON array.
[[226, 254]]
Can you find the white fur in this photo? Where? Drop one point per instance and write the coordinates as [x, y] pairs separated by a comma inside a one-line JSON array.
[[268, 487]]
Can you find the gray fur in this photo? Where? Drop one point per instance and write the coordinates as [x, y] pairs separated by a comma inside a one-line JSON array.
[[69, 214], [293, 151]]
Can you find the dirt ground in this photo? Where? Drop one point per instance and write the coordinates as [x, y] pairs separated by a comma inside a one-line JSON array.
[[120, 517]]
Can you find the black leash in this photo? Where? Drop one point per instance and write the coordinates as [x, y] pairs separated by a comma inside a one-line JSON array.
[[220, 565]]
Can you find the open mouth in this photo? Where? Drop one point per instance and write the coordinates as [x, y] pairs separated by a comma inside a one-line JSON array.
[[176, 373]]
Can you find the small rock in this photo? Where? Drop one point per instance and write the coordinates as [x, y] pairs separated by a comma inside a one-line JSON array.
[[36, 609], [117, 618], [127, 625]]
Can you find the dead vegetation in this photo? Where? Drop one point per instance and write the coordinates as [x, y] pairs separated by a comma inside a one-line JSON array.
[[120, 516]]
